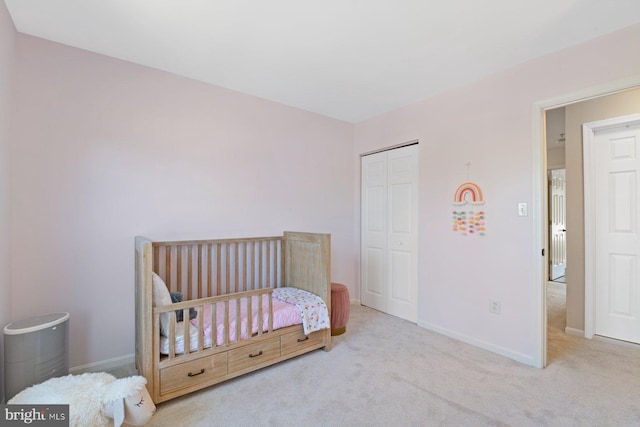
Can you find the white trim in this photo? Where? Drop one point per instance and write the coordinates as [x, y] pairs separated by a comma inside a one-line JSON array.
[[614, 341], [519, 357], [615, 122], [574, 332], [105, 365], [540, 236], [589, 158], [538, 204]]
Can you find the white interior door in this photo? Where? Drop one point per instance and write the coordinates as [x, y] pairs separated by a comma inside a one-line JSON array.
[[616, 238], [557, 219], [390, 232], [374, 231]]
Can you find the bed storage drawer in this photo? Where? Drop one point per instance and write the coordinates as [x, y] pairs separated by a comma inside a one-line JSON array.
[[252, 355], [193, 372], [297, 341]]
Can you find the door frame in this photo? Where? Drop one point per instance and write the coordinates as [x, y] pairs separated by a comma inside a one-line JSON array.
[[588, 149], [539, 200]]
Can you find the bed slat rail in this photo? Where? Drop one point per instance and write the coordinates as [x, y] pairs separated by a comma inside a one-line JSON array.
[[201, 269], [212, 303]]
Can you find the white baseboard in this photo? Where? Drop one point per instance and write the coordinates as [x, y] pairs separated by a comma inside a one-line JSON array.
[[574, 332], [614, 341], [354, 301], [518, 357], [104, 365], [580, 333]]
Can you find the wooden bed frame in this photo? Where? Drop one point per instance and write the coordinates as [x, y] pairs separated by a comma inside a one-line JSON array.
[[208, 272]]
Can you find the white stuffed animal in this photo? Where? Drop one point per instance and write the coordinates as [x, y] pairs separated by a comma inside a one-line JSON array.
[[94, 399]]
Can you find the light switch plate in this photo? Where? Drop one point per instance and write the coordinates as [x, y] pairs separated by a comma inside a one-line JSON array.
[[522, 209]]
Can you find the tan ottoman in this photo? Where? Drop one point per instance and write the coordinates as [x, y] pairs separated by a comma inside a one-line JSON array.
[[339, 308]]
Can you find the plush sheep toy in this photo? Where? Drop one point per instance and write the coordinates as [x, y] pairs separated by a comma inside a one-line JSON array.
[[94, 399]]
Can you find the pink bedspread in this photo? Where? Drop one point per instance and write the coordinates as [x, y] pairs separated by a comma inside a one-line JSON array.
[[283, 315], [302, 307]]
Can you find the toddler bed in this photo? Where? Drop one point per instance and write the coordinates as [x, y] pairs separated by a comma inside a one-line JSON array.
[[247, 304]]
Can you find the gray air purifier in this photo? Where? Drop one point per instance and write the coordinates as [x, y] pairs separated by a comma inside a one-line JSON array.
[[35, 350]]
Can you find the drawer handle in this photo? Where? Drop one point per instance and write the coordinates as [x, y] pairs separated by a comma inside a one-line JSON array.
[[257, 354], [303, 339], [191, 374]]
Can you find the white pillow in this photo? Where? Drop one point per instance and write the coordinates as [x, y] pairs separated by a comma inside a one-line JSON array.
[[161, 297]]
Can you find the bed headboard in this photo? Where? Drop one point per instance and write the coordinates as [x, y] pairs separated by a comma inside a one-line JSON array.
[[202, 268], [205, 268]]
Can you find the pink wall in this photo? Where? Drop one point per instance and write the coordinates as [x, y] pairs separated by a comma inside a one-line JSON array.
[[489, 124], [7, 46], [105, 150]]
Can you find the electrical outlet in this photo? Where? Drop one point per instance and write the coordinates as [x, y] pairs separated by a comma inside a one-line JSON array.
[[494, 306]]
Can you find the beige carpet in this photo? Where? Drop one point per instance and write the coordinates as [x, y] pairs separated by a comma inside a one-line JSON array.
[[388, 372]]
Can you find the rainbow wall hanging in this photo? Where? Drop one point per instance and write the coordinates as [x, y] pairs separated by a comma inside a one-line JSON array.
[[468, 216]]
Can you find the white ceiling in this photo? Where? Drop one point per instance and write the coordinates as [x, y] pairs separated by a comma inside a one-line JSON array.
[[347, 59]]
